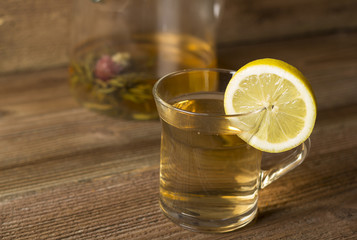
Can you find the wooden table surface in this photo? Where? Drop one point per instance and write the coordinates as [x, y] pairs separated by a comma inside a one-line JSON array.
[[68, 173]]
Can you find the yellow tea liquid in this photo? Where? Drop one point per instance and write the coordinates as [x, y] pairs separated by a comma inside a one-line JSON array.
[[210, 176], [128, 93]]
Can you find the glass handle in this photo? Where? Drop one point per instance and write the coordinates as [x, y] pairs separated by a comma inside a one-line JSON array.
[[285, 165]]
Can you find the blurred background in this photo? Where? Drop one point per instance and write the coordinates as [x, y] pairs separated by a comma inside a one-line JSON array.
[[35, 34]]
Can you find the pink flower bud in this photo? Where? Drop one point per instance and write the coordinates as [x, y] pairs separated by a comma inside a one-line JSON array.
[[106, 68]]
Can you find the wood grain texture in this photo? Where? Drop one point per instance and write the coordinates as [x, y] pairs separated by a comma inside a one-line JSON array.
[[246, 21], [35, 34], [68, 173]]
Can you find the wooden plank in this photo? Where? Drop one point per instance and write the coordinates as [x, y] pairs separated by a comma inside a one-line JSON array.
[[33, 34], [46, 137], [247, 21]]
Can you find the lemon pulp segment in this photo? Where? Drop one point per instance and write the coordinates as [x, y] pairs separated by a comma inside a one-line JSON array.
[[286, 96]]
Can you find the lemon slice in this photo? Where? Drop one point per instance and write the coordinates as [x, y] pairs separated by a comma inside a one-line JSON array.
[[287, 99]]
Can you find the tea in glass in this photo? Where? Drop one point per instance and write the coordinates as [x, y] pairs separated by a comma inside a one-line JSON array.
[[211, 175]]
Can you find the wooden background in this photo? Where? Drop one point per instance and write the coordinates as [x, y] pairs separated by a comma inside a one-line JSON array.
[[35, 34]]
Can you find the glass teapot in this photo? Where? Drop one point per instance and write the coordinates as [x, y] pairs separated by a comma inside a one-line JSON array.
[[120, 48]]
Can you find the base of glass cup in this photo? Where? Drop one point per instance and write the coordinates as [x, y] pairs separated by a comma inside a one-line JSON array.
[[196, 224]]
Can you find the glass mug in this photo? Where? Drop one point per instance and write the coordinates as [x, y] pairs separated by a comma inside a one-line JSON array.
[[209, 177]]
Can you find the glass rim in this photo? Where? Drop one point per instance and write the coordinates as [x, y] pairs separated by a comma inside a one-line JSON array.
[[168, 105]]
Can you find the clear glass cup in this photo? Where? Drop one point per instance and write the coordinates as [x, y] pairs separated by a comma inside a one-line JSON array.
[[119, 48], [209, 177]]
